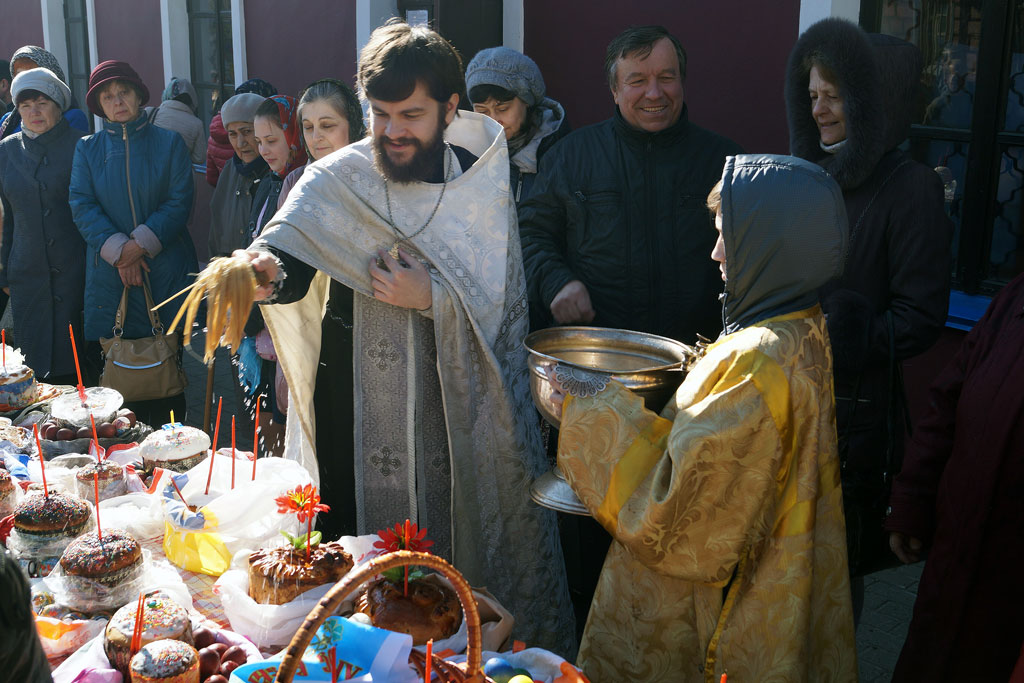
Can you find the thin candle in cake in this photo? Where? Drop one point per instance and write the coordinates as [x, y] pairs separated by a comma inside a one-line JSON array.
[[213, 451], [96, 489], [255, 438], [430, 661], [42, 460], [78, 369], [3, 340], [95, 438], [232, 452]]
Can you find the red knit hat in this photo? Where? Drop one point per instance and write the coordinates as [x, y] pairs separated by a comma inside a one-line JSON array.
[[112, 70]]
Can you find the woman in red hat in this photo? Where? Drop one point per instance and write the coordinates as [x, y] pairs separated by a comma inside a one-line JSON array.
[[131, 194]]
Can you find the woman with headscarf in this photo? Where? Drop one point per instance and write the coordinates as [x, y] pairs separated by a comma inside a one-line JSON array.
[[507, 86], [131, 193], [177, 112], [42, 254], [218, 147], [279, 137], [31, 57], [729, 553], [331, 118], [849, 100]]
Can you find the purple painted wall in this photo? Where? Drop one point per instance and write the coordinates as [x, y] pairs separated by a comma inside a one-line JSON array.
[[21, 24], [293, 45], [736, 57], [129, 30]]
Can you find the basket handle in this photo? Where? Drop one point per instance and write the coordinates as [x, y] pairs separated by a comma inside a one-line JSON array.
[[341, 590]]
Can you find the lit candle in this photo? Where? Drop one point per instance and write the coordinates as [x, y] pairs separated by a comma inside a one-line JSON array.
[[42, 460], [216, 433]]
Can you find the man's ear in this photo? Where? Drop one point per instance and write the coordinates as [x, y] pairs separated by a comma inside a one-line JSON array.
[[450, 107]]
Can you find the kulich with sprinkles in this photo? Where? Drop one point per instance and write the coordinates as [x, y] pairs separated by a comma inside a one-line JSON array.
[[162, 618], [8, 498], [53, 516], [111, 480], [107, 561], [175, 447], [165, 661]]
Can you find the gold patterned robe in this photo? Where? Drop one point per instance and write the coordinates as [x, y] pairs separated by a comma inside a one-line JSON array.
[[729, 552]]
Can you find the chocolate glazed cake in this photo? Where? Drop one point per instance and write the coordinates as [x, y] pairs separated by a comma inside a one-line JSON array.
[[279, 575]]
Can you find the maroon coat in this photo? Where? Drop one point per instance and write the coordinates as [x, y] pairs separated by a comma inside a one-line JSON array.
[[962, 493], [218, 150]]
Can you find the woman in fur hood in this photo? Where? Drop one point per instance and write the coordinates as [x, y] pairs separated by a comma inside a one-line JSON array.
[[850, 100]]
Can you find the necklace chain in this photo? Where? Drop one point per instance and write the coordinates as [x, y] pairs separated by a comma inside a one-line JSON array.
[[402, 237]]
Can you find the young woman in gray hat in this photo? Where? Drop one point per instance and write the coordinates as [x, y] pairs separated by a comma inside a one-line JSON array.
[[42, 253], [507, 86]]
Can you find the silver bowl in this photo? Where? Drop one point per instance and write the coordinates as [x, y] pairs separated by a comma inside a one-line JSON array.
[[653, 367]]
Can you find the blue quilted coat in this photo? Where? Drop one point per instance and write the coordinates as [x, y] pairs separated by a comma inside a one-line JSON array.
[[124, 176]]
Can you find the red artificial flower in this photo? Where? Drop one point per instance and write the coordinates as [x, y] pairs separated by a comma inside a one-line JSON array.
[[391, 540], [304, 501]]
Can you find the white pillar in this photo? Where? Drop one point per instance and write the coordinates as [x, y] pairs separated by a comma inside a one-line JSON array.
[[54, 31], [812, 11], [369, 15], [175, 39], [238, 42], [512, 17]]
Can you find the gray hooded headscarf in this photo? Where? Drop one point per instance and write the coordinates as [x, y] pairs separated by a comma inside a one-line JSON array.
[[785, 231], [41, 57]]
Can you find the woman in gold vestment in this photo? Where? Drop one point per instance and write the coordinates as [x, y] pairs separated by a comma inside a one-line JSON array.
[[729, 552]]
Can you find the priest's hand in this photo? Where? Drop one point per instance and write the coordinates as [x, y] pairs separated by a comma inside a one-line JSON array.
[[405, 284], [265, 267], [572, 304], [907, 548]]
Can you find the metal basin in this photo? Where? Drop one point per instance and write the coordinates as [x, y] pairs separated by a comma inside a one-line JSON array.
[[653, 367]]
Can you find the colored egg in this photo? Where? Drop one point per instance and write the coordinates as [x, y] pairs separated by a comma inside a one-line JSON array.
[[523, 672], [520, 679], [499, 670]]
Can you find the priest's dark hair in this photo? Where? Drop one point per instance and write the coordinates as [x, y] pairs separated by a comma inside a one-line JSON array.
[[398, 56]]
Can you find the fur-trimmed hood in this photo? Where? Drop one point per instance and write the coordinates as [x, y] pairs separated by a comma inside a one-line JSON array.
[[879, 77]]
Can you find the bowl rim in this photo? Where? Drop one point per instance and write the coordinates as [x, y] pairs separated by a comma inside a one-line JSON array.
[[677, 365]]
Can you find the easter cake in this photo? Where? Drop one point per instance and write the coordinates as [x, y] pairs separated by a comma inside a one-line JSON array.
[[165, 661], [279, 575], [430, 611], [175, 447], [162, 618], [17, 387], [45, 525], [108, 475], [107, 560]]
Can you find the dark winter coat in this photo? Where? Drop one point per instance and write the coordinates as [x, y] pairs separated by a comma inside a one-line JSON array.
[[232, 202], [898, 266], [42, 253], [124, 176], [623, 211], [960, 493]]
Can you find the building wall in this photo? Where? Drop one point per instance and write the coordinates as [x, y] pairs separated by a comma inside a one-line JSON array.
[[21, 23], [736, 54], [129, 30], [310, 40]]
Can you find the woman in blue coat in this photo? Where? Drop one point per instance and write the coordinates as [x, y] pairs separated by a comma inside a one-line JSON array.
[[131, 193]]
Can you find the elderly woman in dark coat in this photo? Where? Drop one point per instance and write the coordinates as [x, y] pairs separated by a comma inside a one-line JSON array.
[[42, 253], [131, 194], [849, 99]]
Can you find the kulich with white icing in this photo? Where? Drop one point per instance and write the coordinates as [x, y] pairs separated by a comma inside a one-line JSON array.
[[17, 387], [111, 481], [177, 448], [162, 618], [108, 560], [279, 575], [165, 661]]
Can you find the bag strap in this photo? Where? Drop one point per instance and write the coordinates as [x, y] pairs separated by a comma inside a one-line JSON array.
[[122, 309]]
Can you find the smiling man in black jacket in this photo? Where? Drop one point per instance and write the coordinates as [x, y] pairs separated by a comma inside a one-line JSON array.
[[615, 232]]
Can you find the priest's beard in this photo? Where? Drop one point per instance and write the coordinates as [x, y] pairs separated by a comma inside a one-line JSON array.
[[420, 167]]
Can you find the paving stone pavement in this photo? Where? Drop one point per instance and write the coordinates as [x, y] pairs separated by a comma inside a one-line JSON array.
[[888, 604]]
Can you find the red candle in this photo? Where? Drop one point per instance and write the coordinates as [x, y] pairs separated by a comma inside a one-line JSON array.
[[137, 630], [232, 452], [3, 340], [96, 488], [175, 485], [309, 526], [216, 433], [95, 438], [430, 661], [406, 547], [724, 678], [42, 460], [255, 438], [78, 369]]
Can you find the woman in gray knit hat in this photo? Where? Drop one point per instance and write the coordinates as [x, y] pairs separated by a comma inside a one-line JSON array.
[[31, 57], [42, 253], [507, 86]]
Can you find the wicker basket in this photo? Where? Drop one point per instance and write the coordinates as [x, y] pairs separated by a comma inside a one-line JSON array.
[[445, 671]]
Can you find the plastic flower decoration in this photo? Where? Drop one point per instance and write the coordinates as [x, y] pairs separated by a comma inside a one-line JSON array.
[[304, 501], [407, 537]]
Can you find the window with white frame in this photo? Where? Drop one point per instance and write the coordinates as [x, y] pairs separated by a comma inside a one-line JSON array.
[[212, 63]]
